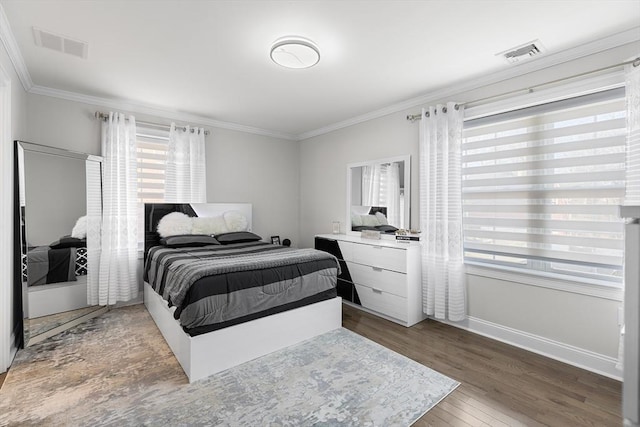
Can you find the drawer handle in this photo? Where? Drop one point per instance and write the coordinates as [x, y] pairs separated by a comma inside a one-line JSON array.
[[376, 268], [377, 291]]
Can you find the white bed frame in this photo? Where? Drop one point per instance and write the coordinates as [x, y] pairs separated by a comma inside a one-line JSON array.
[[206, 354]]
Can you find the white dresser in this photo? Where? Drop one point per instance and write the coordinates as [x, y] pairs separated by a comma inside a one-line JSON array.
[[379, 276]]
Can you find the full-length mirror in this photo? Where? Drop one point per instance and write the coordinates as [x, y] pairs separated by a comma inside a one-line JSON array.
[[378, 195], [59, 208]]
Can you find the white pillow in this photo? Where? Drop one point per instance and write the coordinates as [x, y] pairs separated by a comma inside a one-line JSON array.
[[209, 225], [369, 220], [381, 218], [174, 224], [236, 221], [356, 220], [79, 230]]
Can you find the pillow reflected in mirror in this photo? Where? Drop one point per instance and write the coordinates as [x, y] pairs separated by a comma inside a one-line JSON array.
[[79, 230]]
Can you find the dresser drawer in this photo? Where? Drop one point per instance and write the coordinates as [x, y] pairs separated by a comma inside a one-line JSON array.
[[345, 290], [380, 256], [378, 278], [383, 302]]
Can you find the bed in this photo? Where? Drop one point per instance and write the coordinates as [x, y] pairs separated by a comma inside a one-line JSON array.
[[221, 305], [372, 218], [61, 261]]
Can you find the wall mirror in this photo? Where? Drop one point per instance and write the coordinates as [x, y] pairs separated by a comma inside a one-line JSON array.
[[58, 212], [379, 195]]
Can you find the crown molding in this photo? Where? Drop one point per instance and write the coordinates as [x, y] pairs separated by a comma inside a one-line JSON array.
[[11, 46], [546, 61], [152, 110]]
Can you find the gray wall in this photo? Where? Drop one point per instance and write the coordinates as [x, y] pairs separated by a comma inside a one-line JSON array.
[[241, 167], [323, 168], [56, 196], [588, 323]]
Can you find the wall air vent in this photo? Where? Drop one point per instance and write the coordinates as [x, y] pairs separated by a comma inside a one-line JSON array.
[[60, 43], [522, 52]]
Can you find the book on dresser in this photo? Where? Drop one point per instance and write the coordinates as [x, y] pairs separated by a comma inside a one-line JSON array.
[[382, 277]]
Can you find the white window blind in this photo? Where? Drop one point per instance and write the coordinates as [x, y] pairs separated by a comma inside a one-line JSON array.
[[152, 145], [152, 162], [542, 185]]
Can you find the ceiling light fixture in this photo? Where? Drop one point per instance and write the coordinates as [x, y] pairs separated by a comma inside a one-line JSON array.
[[295, 52]]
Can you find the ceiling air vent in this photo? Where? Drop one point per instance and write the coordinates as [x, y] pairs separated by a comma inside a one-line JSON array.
[[60, 43], [523, 52]]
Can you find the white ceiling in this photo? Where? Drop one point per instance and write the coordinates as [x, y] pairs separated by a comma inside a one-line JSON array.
[[211, 58]]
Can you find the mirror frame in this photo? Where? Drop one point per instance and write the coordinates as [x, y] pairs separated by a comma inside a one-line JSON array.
[[407, 190], [21, 239]]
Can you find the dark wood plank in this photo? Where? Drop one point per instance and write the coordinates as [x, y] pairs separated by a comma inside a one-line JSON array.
[[501, 385]]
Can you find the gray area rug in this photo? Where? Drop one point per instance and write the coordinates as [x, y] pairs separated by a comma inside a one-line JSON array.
[[117, 370]]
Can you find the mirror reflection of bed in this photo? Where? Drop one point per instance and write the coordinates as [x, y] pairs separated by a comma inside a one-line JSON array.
[[379, 195], [59, 195]]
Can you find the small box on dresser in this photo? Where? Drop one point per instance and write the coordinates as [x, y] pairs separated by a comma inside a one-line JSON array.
[[379, 276]]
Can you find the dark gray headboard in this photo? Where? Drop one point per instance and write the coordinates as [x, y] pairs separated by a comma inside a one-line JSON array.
[[375, 209], [153, 212]]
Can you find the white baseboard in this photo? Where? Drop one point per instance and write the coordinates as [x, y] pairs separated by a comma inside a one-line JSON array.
[[56, 298], [13, 350], [581, 358]]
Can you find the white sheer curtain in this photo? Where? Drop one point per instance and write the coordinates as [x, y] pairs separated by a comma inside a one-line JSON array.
[[119, 243], [185, 176], [392, 201], [443, 278], [632, 178], [381, 187], [371, 185]]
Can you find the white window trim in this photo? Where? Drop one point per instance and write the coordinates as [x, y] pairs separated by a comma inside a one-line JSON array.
[[540, 279]]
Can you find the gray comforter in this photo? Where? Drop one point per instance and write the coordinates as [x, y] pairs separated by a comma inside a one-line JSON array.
[[217, 284]]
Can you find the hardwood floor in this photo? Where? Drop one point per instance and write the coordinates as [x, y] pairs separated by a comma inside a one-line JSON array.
[[501, 385], [2, 378]]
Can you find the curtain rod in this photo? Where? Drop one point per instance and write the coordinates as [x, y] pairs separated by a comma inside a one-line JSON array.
[[636, 62], [104, 116]]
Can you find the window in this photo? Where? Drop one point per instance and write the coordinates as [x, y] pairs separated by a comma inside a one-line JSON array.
[[541, 187], [152, 147]]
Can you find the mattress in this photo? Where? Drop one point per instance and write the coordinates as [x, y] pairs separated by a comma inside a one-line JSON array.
[[216, 286]]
